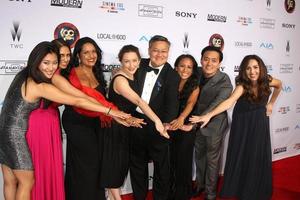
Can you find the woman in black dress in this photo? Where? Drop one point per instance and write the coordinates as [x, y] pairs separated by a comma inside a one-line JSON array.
[[248, 169], [116, 139]]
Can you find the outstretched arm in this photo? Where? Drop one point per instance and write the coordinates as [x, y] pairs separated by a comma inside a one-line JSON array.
[[238, 91], [48, 91], [277, 85], [178, 123], [121, 86]]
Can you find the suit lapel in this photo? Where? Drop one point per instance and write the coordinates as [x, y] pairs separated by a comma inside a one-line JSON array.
[[159, 83]]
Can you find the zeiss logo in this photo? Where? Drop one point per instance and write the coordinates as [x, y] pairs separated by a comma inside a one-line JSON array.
[[286, 89], [266, 45]]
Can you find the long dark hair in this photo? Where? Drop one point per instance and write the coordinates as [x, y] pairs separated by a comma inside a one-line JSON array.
[[59, 43], [97, 69], [193, 81], [35, 58], [263, 88]]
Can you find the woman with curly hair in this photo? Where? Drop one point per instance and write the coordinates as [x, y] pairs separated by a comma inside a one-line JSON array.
[[183, 141], [248, 169]]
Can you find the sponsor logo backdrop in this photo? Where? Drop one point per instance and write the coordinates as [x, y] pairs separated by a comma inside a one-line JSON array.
[[268, 28]]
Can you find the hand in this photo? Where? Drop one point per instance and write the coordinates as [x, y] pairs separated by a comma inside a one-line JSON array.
[[204, 119], [177, 123], [161, 129], [188, 127], [269, 108], [121, 121], [119, 114], [135, 122]]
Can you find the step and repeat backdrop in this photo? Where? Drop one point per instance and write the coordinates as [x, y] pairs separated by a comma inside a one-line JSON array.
[[268, 28]]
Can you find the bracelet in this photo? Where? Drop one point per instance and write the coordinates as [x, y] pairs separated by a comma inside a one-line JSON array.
[[108, 111]]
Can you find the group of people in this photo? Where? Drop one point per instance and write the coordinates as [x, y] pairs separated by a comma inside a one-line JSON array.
[[150, 112]]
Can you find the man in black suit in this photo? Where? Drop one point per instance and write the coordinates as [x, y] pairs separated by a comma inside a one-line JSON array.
[[215, 87], [157, 84]]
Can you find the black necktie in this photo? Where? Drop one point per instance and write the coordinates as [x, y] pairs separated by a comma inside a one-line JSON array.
[[149, 69]]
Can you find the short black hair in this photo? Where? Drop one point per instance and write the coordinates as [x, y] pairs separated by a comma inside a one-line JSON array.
[[157, 38], [212, 48]]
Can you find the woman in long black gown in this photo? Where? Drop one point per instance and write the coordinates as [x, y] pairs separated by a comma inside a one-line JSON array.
[[248, 169]]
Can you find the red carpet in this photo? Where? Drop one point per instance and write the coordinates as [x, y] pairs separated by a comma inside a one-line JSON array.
[[286, 181]]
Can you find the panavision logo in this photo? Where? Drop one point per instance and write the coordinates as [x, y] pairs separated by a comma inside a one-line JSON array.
[[216, 40], [286, 68], [267, 23], [289, 5], [216, 18], [112, 7], [11, 67], [280, 150], [68, 32], [67, 3], [145, 10]]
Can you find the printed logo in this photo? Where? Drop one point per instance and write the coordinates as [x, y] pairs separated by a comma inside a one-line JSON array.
[[150, 11], [269, 68], [289, 5], [288, 26], [67, 3], [112, 7], [242, 44], [266, 45], [216, 18], [297, 108], [236, 68], [111, 37], [284, 110], [286, 89], [11, 67], [282, 130], [245, 21], [186, 42], [109, 67], [145, 38], [216, 40], [287, 47], [16, 36], [267, 23], [286, 68], [280, 150], [28, 1], [68, 32], [297, 126], [268, 4], [185, 14], [297, 146]]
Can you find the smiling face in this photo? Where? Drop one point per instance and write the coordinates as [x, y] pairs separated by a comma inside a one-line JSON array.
[[130, 62], [65, 56], [158, 53], [185, 68], [210, 62], [88, 55], [253, 70], [49, 65]]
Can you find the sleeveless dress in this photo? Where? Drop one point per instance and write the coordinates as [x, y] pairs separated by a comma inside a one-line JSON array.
[[14, 151], [82, 154], [248, 169], [45, 143], [116, 142]]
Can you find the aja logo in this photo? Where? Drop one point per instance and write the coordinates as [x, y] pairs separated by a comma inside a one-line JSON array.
[[145, 38], [266, 45]]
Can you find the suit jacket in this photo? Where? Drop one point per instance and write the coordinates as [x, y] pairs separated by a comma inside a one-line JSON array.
[[217, 89], [164, 97]]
